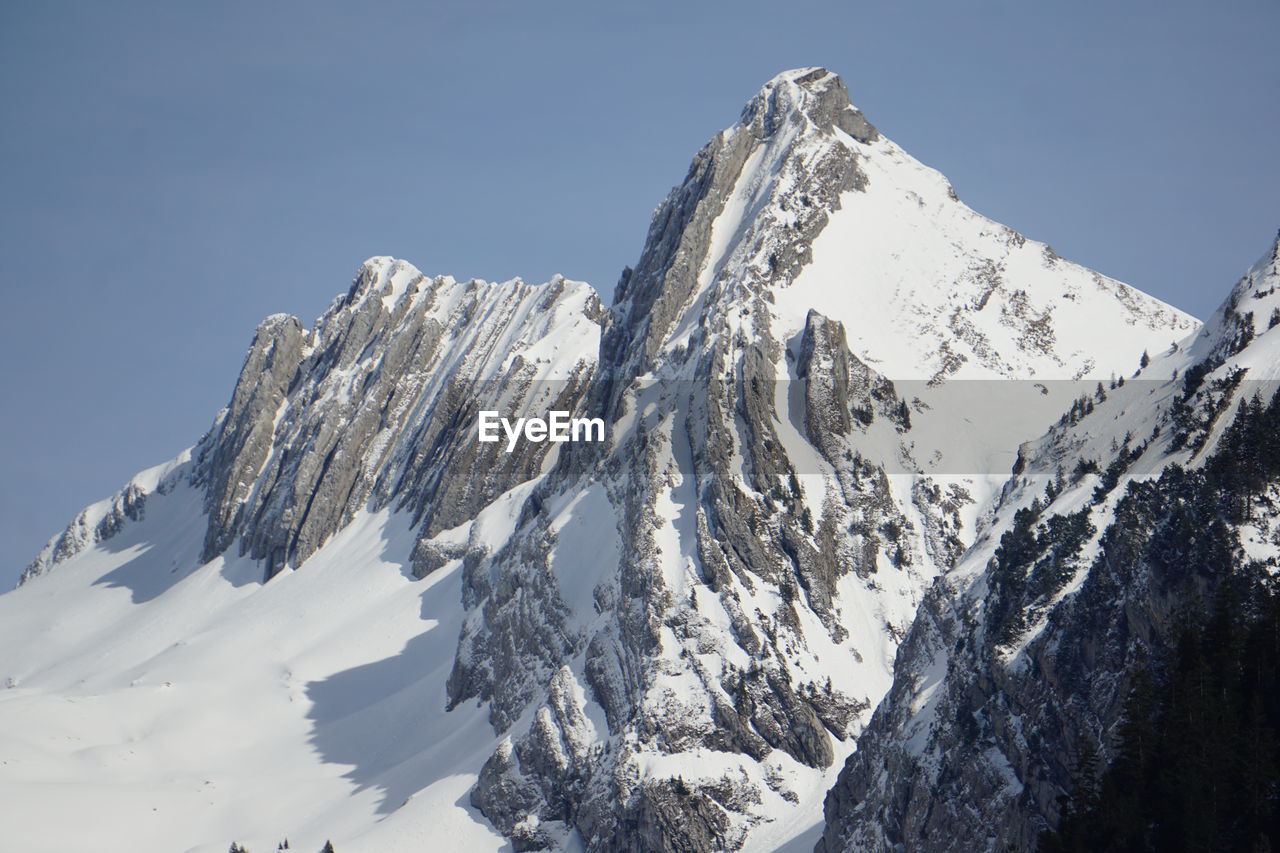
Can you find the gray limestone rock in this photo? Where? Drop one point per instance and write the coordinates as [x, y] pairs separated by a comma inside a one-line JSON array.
[[665, 816], [244, 436], [378, 405]]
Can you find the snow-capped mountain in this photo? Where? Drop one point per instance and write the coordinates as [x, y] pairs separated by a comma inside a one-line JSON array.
[[341, 616], [1134, 509]]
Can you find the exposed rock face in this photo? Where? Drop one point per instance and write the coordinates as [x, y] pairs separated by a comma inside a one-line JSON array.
[[1020, 660], [679, 628], [379, 403], [792, 111], [246, 434]]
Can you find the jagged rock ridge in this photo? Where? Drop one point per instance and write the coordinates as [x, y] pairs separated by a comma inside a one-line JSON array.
[[376, 406]]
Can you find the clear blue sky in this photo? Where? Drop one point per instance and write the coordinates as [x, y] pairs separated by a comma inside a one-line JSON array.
[[173, 171]]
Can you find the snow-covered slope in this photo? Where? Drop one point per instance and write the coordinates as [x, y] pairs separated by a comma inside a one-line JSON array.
[[153, 707], [376, 629], [1130, 510]]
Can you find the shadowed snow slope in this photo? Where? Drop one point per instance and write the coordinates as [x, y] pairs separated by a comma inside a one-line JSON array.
[[309, 707]]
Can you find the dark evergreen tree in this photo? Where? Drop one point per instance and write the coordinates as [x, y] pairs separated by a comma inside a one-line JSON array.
[[1195, 766], [1195, 758]]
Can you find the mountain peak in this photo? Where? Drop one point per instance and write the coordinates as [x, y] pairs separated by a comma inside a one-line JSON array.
[[804, 204], [1251, 309], [755, 196], [802, 76], [815, 94]]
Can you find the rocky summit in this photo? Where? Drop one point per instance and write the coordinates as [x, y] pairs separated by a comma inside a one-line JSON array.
[[864, 557]]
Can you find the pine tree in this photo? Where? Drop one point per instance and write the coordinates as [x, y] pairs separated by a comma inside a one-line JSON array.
[[1196, 763], [1085, 773]]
